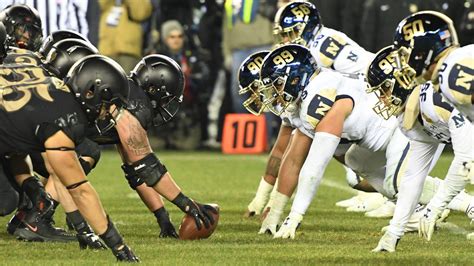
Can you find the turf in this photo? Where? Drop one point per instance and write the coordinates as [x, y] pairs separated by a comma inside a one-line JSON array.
[[328, 235]]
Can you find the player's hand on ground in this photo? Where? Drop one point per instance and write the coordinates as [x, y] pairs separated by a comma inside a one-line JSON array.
[[167, 230], [124, 253], [388, 243], [289, 226], [270, 223], [428, 222], [255, 207], [90, 240]]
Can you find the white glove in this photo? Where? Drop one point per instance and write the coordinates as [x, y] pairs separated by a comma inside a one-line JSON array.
[[270, 223], [428, 222], [289, 226], [255, 207], [388, 242]]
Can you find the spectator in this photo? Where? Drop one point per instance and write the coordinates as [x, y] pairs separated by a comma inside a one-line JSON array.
[[120, 31], [188, 128]]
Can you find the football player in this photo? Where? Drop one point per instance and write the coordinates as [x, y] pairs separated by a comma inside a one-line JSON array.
[[45, 229], [430, 53], [428, 50], [157, 84], [249, 85], [331, 106], [53, 122], [300, 22], [427, 119]]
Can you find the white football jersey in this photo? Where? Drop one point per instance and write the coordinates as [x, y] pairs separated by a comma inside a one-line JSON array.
[[290, 119], [455, 78], [363, 126], [333, 49], [435, 112]]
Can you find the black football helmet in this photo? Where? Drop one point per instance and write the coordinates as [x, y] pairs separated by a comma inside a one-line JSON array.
[[297, 22], [59, 36], [285, 73], [98, 82], [250, 83], [23, 25], [163, 81], [380, 76], [3, 42], [420, 40], [65, 53]]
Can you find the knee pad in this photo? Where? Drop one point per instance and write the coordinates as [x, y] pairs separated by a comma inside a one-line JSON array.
[[133, 180], [149, 169]]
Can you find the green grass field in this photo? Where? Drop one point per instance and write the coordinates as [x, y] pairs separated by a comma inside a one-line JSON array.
[[328, 235]]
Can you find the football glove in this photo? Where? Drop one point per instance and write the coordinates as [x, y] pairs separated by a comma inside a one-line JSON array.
[[167, 230], [289, 226], [90, 240], [387, 243], [270, 223], [428, 222], [201, 213]]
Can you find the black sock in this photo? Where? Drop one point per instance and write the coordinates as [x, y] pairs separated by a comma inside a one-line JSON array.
[[78, 222], [162, 216]]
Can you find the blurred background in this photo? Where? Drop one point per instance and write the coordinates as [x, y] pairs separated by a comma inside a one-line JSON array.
[[210, 39]]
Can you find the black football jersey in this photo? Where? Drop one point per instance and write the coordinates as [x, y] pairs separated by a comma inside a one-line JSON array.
[[33, 107], [138, 105], [22, 56]]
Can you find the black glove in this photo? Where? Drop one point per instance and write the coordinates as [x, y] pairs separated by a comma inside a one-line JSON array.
[[200, 213], [90, 240], [168, 231], [163, 219], [124, 253]]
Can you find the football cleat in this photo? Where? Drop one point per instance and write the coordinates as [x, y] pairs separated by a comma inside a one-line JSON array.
[[37, 229], [270, 223], [368, 202], [348, 202], [387, 243], [384, 211], [16, 221]]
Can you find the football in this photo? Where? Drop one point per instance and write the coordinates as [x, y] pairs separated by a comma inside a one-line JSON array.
[[188, 229]]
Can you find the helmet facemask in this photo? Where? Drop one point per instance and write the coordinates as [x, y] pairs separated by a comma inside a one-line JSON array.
[[166, 108], [388, 104], [289, 34], [276, 99], [253, 103], [26, 36]]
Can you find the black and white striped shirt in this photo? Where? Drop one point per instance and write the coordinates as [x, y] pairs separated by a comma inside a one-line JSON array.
[[57, 14]]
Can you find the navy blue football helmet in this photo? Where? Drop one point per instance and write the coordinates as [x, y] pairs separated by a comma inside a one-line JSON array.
[[250, 83], [297, 22], [420, 40], [380, 76], [285, 73], [23, 25]]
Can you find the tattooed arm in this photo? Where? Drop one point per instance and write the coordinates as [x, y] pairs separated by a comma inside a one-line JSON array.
[[276, 155], [134, 144]]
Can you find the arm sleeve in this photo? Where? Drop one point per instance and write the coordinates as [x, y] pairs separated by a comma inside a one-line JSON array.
[[321, 151]]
